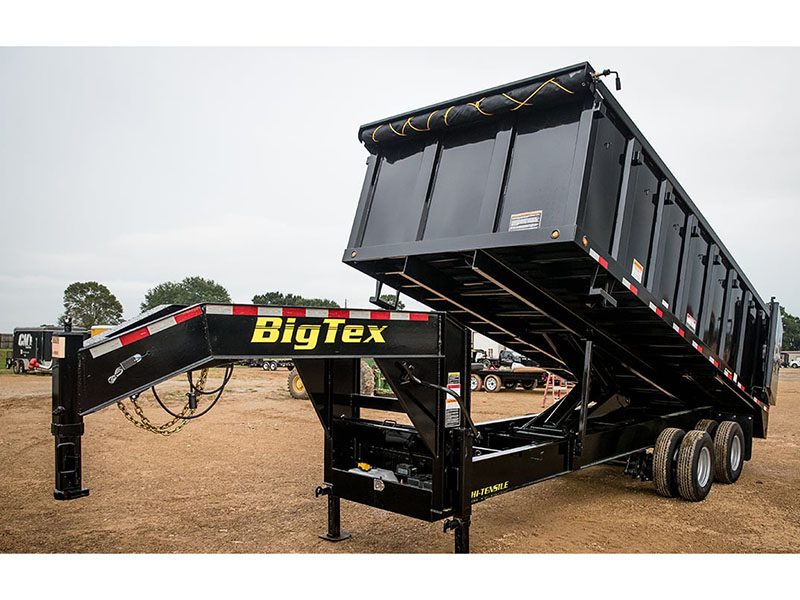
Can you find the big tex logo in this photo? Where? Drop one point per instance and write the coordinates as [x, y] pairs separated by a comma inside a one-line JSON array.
[[273, 330]]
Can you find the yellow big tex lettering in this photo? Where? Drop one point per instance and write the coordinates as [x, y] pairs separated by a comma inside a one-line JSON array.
[[271, 330]]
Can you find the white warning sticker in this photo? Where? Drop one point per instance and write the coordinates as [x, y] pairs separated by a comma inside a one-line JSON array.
[[691, 322], [452, 410], [58, 347], [525, 220], [637, 270]]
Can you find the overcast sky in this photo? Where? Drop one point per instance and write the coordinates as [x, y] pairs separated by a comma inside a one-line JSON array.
[[136, 166]]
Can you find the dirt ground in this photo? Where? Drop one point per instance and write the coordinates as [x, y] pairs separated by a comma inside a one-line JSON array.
[[242, 479]]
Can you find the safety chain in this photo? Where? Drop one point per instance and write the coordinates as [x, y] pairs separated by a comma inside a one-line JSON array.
[[171, 426]]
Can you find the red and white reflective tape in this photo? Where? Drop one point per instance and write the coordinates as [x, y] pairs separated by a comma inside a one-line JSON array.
[[634, 290], [678, 329], [603, 262], [144, 332], [656, 310], [251, 310]]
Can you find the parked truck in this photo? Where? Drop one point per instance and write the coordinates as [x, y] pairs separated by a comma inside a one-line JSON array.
[[505, 358], [6, 349], [505, 372], [537, 214]]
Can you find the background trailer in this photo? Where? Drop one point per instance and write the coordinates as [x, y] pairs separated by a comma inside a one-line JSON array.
[[537, 214], [31, 348]]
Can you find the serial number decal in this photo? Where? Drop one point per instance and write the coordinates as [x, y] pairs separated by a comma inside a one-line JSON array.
[[489, 490], [272, 330]]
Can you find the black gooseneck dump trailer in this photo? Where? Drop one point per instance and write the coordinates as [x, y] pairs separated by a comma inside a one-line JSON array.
[[537, 214]]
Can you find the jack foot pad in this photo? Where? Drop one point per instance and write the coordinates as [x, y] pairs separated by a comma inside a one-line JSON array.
[[343, 535], [70, 494]]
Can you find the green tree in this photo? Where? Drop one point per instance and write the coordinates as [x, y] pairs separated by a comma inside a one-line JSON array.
[[390, 299], [281, 299], [791, 331], [90, 303], [191, 290]]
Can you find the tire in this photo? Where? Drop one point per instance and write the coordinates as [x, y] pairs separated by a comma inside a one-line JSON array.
[[707, 425], [296, 387], [273, 366], [510, 386], [265, 366], [695, 466], [529, 385], [475, 382], [665, 455], [492, 383], [15, 367], [367, 380], [728, 452]]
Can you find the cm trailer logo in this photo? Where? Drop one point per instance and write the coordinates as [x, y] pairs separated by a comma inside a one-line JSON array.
[[273, 330]]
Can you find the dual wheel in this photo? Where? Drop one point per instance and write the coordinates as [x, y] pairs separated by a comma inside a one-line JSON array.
[[270, 365], [685, 464], [490, 383], [493, 383]]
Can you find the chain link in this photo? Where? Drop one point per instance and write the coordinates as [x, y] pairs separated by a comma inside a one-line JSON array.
[[170, 427]]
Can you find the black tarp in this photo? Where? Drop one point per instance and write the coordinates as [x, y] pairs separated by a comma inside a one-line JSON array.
[[560, 87]]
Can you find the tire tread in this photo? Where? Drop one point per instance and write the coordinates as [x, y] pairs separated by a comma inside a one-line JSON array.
[[499, 383], [691, 446], [707, 425], [664, 450], [722, 447], [292, 392]]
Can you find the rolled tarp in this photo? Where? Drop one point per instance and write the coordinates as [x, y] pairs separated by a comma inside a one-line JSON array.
[[559, 87]]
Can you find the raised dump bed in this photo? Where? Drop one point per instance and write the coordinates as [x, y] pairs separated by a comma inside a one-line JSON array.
[[539, 215]]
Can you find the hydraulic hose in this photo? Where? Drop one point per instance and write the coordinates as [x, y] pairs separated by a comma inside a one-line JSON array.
[[219, 391], [408, 372]]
